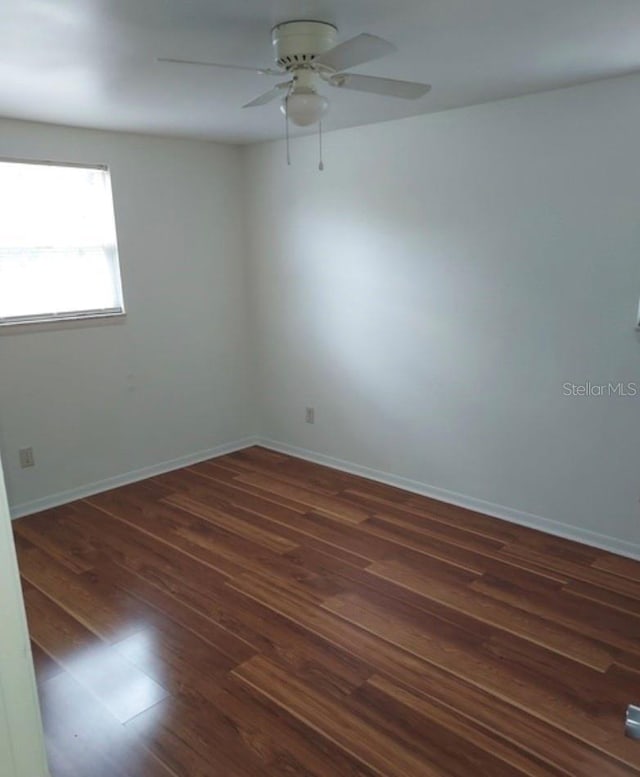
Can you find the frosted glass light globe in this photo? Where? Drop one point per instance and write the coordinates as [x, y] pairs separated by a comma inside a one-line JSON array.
[[305, 107]]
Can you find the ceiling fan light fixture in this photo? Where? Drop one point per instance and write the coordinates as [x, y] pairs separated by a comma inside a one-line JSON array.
[[304, 107]]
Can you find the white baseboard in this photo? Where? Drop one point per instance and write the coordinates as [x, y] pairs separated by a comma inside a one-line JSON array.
[[594, 539], [63, 497], [548, 525]]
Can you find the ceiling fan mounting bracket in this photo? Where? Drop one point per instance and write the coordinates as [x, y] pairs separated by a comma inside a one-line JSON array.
[[297, 43]]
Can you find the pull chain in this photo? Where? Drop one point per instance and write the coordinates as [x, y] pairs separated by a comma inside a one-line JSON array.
[[286, 123], [321, 163]]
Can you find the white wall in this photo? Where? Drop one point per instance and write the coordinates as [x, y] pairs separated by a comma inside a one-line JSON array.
[[96, 401], [432, 291], [429, 294], [21, 743]]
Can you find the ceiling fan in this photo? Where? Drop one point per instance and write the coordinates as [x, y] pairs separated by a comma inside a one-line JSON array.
[[307, 52]]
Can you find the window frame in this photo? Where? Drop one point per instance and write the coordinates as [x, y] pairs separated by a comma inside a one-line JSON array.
[[86, 315]]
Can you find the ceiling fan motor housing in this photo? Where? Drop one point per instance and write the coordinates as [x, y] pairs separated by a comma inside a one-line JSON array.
[[297, 43]]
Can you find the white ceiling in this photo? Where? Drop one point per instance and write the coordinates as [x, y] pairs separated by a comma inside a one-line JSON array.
[[92, 63]]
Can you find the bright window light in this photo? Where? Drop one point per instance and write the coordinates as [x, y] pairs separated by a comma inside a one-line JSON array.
[[58, 248]]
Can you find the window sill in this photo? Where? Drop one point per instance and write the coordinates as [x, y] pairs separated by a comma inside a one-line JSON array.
[[54, 323]]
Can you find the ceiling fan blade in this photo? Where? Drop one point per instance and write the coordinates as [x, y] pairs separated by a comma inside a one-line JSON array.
[[272, 94], [260, 71], [409, 90], [355, 51]]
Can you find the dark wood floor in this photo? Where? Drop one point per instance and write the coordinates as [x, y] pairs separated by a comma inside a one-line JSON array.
[[260, 615]]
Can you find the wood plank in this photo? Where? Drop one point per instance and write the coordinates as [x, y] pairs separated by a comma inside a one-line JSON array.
[[327, 482], [320, 503], [111, 614], [624, 567], [418, 508], [235, 525], [195, 738], [181, 738], [573, 570], [558, 639], [198, 485], [590, 618], [183, 663], [198, 538], [287, 527], [123, 689], [470, 708], [370, 746], [83, 738], [290, 747], [220, 634], [402, 652], [255, 628], [481, 559], [614, 601], [44, 532], [439, 734]]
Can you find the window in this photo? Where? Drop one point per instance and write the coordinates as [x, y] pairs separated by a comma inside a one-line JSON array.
[[58, 250]]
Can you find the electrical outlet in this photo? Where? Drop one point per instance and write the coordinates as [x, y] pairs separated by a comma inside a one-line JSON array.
[[26, 458], [310, 415]]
